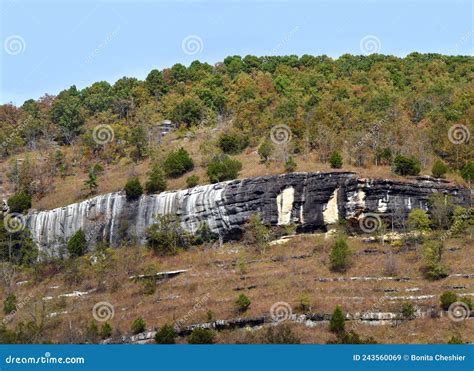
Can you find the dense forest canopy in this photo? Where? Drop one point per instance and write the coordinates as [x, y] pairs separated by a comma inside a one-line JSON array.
[[369, 108]]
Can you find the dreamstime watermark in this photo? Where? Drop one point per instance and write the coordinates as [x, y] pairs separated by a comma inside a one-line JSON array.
[[374, 130], [280, 134], [14, 222], [14, 45], [370, 44], [280, 311], [284, 41], [18, 306], [196, 307], [457, 225], [458, 311], [192, 44], [110, 36], [17, 130], [370, 222], [103, 134], [459, 134], [103, 311]]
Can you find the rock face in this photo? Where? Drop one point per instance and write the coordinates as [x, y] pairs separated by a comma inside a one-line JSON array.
[[312, 201]]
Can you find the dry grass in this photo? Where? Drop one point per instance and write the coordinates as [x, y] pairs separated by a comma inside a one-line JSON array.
[[216, 273]]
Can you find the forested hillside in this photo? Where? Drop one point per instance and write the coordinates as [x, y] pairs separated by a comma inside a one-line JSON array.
[[352, 111]]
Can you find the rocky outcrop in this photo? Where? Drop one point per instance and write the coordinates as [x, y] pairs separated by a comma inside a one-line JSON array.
[[311, 201]]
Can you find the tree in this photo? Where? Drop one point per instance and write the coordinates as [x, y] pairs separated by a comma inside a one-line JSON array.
[[188, 112], [232, 142], [337, 321], [9, 305], [201, 336], [77, 244], [133, 188], [432, 253], [222, 168], [290, 165], [138, 325], [242, 303], [467, 172], [165, 335], [105, 331], [156, 180], [418, 220], [335, 160], [19, 202], [91, 182], [67, 113], [439, 169], [177, 163], [265, 150], [406, 165], [447, 298], [155, 83], [339, 256], [192, 181], [166, 236], [256, 233]]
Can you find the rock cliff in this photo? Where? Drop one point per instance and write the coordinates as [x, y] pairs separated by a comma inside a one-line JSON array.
[[312, 201]]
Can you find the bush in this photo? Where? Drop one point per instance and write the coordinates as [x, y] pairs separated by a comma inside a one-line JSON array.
[[165, 335], [304, 303], [337, 322], [265, 150], [92, 332], [256, 233], [201, 336], [408, 310], [439, 169], [281, 334], [233, 143], [156, 180], [432, 252], [447, 298], [467, 172], [339, 255], [133, 188], [138, 326], [242, 303], [335, 160], [166, 236], [19, 202], [192, 181], [105, 331], [418, 220], [455, 340], [467, 300], [9, 305], [406, 165], [177, 163], [290, 165], [222, 168], [352, 337], [77, 244]]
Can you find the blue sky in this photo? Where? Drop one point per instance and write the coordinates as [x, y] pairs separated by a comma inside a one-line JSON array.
[[48, 46]]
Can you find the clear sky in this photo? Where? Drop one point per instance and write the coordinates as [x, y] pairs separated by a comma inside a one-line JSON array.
[[48, 46]]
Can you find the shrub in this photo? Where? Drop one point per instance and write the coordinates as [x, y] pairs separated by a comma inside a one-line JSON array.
[[290, 165], [92, 332], [467, 172], [165, 335], [201, 336], [192, 181], [156, 180], [432, 252], [455, 339], [265, 150], [166, 236], [222, 168], [335, 160], [105, 331], [210, 315], [177, 163], [304, 303], [19, 202], [339, 255], [77, 244], [439, 169], [256, 233], [337, 322], [408, 310], [466, 300], [138, 326], [203, 235], [133, 188], [233, 143], [406, 165], [447, 298], [281, 334], [242, 303], [418, 220], [352, 337], [9, 305]]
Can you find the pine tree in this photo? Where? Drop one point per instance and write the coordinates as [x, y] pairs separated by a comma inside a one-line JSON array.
[[337, 322]]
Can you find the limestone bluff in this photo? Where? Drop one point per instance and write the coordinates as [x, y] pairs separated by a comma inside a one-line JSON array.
[[312, 201]]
